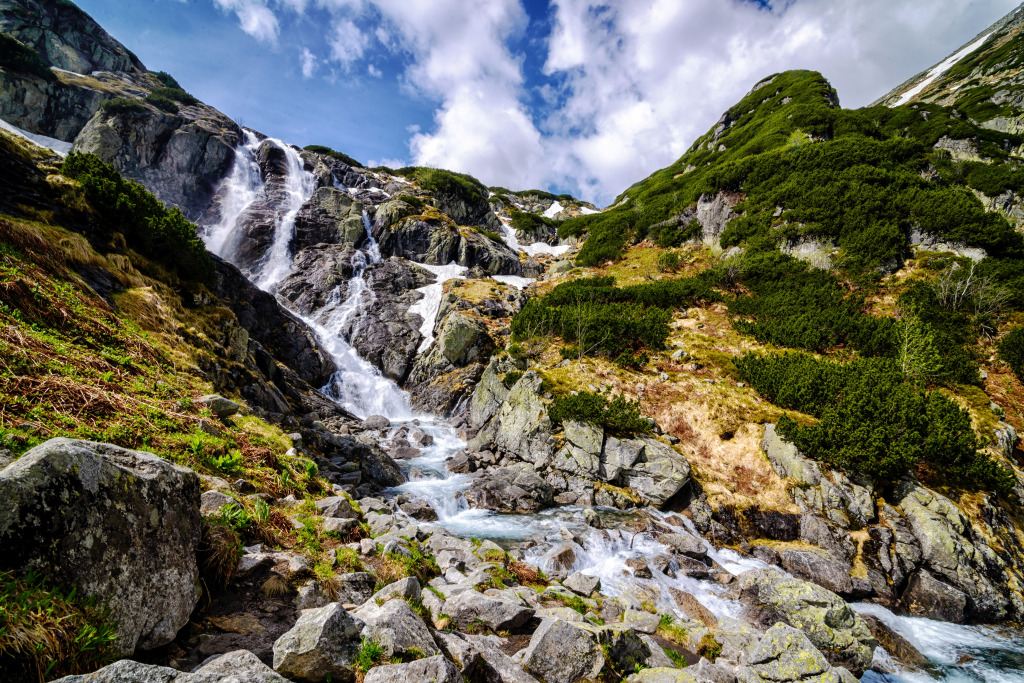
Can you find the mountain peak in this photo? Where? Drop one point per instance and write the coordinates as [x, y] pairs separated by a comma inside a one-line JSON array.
[[65, 36]]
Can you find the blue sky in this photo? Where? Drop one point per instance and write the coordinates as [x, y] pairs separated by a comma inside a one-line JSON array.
[[567, 95]]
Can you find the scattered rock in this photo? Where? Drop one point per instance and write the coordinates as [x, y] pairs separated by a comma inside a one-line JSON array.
[[435, 669], [323, 642], [218, 405], [582, 584], [470, 607], [562, 652]]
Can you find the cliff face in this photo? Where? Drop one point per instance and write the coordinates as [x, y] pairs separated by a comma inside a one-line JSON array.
[[65, 36], [180, 151]]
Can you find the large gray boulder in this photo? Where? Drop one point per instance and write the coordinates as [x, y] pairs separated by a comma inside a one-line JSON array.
[[660, 473], [398, 630], [470, 607], [240, 666], [510, 489], [324, 642], [116, 524], [435, 669], [955, 554], [786, 655], [523, 428], [833, 627], [563, 652]]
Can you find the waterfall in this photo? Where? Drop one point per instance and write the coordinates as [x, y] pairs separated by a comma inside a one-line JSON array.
[[960, 653], [243, 186], [299, 186]]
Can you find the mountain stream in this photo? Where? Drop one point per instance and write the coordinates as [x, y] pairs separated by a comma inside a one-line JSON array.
[[958, 653]]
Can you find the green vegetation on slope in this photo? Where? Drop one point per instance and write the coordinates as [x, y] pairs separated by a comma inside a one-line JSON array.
[[871, 420], [808, 169], [602, 319], [163, 235], [447, 185], [327, 151], [20, 58]]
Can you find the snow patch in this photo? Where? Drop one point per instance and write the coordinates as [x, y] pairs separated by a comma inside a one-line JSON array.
[[515, 280], [553, 210], [53, 144], [940, 69], [430, 304]]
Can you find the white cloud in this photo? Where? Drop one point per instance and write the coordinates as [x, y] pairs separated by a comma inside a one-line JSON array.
[[390, 163], [254, 17], [347, 42], [629, 83], [309, 63]]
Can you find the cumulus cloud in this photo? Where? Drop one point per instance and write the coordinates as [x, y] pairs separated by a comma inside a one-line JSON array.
[[626, 85], [309, 63], [374, 71], [254, 17], [347, 42]]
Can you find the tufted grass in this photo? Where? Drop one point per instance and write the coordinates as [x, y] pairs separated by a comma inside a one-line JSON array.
[[47, 633]]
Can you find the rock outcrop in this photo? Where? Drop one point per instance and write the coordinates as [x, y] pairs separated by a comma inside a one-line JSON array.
[[113, 523], [841, 634], [179, 157], [437, 240]]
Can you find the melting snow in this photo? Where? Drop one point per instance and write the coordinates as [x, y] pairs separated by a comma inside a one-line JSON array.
[[940, 69], [514, 280], [53, 144], [430, 304], [554, 209]]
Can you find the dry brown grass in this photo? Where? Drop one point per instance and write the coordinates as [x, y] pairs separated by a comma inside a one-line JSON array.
[[525, 574], [218, 553]]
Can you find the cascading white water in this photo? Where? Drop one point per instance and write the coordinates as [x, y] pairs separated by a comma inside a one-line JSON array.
[[299, 186], [357, 385], [243, 185], [360, 388]]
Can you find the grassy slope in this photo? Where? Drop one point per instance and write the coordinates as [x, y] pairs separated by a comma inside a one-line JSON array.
[[124, 371], [786, 139]]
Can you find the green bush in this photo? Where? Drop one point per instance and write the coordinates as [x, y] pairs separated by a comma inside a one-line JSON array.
[[163, 235], [491, 235], [414, 202], [594, 315], [531, 223], [161, 102], [669, 261], [327, 151], [510, 379], [791, 304], [167, 79], [618, 416], [447, 184], [870, 420], [20, 58], [176, 94], [123, 105], [1011, 351]]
